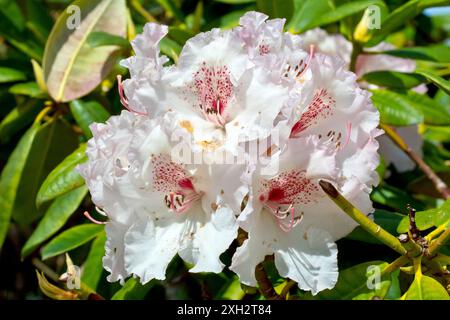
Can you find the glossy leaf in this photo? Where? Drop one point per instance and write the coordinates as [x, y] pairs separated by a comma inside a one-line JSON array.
[[11, 75], [437, 80], [353, 284], [394, 198], [434, 112], [98, 39], [30, 89], [394, 79], [18, 118], [395, 109], [307, 13], [438, 53], [88, 112], [93, 267], [429, 218], [71, 239], [52, 143], [10, 179], [133, 290], [71, 67], [54, 218], [276, 8], [426, 288], [63, 178]]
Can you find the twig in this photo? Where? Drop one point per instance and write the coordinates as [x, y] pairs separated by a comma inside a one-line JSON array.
[[439, 242], [397, 263], [367, 224], [437, 181], [45, 269], [265, 286]]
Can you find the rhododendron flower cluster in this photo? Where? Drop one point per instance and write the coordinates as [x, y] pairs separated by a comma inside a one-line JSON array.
[[232, 138]]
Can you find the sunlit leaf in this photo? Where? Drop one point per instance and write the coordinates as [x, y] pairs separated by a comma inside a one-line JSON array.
[[93, 267], [426, 288], [54, 218], [394, 79], [11, 75], [88, 112], [71, 239], [133, 290], [427, 219], [63, 178], [71, 67]]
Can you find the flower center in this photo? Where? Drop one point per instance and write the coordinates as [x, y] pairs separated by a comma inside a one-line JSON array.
[[321, 107], [171, 179], [280, 195], [213, 88]]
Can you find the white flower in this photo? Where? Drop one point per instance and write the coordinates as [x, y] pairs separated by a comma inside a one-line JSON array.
[[215, 92]]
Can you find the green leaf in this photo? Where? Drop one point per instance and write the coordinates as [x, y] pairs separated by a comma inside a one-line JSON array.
[[394, 292], [38, 19], [180, 35], [235, 1], [10, 179], [307, 13], [12, 12], [394, 198], [99, 39], [93, 267], [233, 290], [52, 143], [426, 288], [437, 133], [400, 15], [133, 290], [428, 218], [30, 89], [72, 68], [385, 219], [170, 48], [394, 79], [18, 118], [395, 109], [345, 10], [437, 80], [63, 178], [11, 75], [71, 239], [54, 218], [353, 284], [437, 53], [434, 113], [276, 8], [88, 112]]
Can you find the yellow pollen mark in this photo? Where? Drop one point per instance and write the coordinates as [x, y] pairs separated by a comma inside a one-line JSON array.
[[185, 124], [208, 145]]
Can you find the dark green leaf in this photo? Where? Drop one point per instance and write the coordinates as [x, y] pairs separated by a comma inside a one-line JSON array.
[[93, 267], [394, 198], [18, 118], [423, 185], [276, 8], [54, 218], [71, 239], [88, 112], [10, 179], [437, 53], [53, 142], [63, 178], [307, 13], [394, 79]]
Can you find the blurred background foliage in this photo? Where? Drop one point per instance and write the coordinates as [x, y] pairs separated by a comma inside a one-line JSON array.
[[54, 82]]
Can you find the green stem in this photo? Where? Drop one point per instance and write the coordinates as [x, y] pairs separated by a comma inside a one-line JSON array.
[[439, 242], [396, 264], [354, 58], [367, 224]]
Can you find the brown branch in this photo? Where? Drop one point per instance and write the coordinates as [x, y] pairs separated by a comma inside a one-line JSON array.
[[430, 174], [264, 284]]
